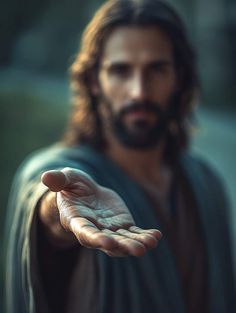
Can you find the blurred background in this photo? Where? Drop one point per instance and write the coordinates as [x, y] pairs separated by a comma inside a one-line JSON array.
[[38, 41]]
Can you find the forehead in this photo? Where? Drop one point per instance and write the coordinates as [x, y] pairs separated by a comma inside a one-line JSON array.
[[134, 43]]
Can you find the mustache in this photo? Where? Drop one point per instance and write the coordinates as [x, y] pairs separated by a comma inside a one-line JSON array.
[[144, 106]]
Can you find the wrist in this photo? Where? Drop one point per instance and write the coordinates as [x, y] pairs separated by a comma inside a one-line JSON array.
[[50, 220]]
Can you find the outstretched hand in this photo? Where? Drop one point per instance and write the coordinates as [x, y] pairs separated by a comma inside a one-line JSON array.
[[96, 215]]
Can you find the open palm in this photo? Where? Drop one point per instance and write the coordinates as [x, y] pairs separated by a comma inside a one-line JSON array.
[[97, 216]]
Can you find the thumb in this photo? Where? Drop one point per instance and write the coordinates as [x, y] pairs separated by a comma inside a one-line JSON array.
[[55, 180]]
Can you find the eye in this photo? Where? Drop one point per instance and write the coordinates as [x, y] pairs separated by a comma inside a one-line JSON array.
[[160, 67], [122, 70]]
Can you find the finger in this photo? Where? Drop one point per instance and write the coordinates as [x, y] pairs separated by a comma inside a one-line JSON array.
[[154, 232], [54, 180], [74, 176], [126, 246], [148, 240], [90, 236]]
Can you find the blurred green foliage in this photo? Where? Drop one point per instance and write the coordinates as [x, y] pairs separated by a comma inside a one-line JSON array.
[[27, 125]]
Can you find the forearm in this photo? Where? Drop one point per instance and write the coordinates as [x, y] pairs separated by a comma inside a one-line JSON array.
[[49, 217]]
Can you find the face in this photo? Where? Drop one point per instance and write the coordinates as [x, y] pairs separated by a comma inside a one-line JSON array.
[[136, 84]]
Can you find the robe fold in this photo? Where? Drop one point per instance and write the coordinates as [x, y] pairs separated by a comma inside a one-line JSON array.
[[115, 285]]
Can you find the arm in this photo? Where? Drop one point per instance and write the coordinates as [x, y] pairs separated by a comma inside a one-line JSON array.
[[78, 209]]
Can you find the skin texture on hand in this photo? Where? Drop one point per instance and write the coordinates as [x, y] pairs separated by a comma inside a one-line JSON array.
[[96, 215]]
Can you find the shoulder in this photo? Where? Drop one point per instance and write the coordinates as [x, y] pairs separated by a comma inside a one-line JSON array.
[[57, 157], [202, 170], [206, 180], [53, 157]]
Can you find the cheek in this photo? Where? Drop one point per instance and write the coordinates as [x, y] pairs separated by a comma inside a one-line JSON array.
[[115, 92], [164, 90]]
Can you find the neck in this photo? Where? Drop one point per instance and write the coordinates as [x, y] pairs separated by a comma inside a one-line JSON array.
[[140, 164]]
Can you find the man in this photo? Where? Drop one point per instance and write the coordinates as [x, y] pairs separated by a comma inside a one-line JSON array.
[[121, 173]]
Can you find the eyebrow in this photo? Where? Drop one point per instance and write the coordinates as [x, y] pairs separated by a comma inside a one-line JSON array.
[[163, 64], [112, 64]]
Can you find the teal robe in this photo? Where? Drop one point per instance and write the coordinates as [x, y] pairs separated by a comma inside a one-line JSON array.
[[125, 285]]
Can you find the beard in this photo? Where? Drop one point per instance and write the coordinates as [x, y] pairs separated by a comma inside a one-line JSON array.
[[141, 134]]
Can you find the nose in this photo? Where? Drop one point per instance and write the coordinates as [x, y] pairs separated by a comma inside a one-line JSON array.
[[139, 88]]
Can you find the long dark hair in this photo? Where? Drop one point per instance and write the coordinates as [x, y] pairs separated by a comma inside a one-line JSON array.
[[85, 125]]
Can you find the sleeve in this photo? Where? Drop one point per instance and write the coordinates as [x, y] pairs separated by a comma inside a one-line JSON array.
[[22, 279]]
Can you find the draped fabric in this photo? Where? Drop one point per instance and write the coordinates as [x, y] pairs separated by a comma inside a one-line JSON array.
[[118, 285]]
